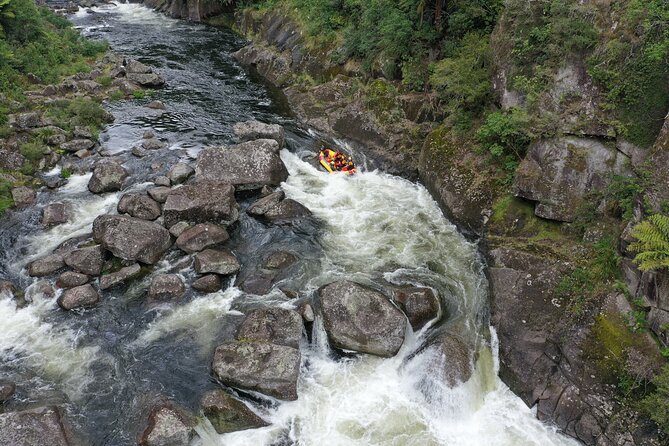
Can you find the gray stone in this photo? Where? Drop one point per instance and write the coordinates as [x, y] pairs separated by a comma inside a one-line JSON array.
[[139, 205], [307, 312], [259, 366], [249, 165], [134, 66], [276, 325], [159, 193], [168, 425], [42, 426], [86, 260], [77, 144], [287, 209], [228, 414], [216, 261], [149, 80], [139, 152], [166, 287], [148, 134], [131, 238], [7, 389], [421, 305], [257, 283], [107, 177], [24, 121], [23, 196], [162, 181], [279, 260], [82, 132], [84, 153], [180, 172], [153, 144], [261, 206], [559, 173], [201, 236], [11, 160], [207, 284], [450, 359], [71, 279], [46, 265], [156, 105], [177, 229], [83, 296], [252, 130], [121, 276], [206, 202], [54, 214], [361, 319]]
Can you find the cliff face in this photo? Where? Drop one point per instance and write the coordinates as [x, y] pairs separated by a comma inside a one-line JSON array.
[[558, 317], [194, 10]]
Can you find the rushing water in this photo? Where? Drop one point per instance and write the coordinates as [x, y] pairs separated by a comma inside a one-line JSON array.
[[106, 365]]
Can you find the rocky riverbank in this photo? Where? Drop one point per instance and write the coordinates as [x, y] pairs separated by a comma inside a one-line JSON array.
[[550, 352]]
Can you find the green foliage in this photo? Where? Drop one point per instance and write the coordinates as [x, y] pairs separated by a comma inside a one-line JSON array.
[[656, 405], [66, 173], [652, 243], [506, 133], [6, 200], [381, 97], [139, 94], [33, 151], [77, 112]]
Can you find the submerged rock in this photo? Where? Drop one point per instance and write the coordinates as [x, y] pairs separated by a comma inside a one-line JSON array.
[[165, 287], [86, 260], [276, 325], [83, 296], [201, 236], [153, 144], [361, 319], [42, 426], [421, 305], [168, 425], [228, 414], [131, 238], [451, 359], [279, 260], [249, 165], [205, 202], [207, 284], [107, 177], [252, 130], [139, 205], [216, 261], [120, 276], [260, 366]]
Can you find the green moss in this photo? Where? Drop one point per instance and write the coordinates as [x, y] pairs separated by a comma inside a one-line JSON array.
[[577, 158], [611, 338], [513, 216], [6, 200]]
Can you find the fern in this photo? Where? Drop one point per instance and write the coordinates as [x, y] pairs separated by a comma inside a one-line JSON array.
[[652, 243]]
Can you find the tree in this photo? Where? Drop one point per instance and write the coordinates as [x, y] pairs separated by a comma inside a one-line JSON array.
[[652, 245]]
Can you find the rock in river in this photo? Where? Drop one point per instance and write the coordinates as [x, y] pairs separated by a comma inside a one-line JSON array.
[[46, 265], [139, 205], [107, 177], [71, 279], [83, 296], [202, 236], [276, 325], [120, 276], [420, 304], [131, 238], [216, 261], [88, 260], [165, 287], [361, 319], [260, 366], [201, 203], [54, 214], [42, 426], [252, 130], [207, 284], [228, 414], [249, 165], [168, 425]]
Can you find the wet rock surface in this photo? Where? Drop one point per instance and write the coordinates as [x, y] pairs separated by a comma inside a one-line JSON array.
[[202, 203], [139, 205], [168, 425], [252, 130], [421, 305], [361, 319], [260, 366], [43, 426], [88, 260], [228, 414], [55, 214], [121, 276], [131, 239], [200, 237], [80, 297], [166, 287], [276, 325], [71, 279], [207, 284], [216, 261], [46, 265], [107, 177]]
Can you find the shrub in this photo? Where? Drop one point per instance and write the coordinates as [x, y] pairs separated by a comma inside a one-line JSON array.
[[652, 243], [506, 133], [656, 405], [33, 151]]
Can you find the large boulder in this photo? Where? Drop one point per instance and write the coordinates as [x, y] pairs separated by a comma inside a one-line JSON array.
[[88, 260], [46, 265], [201, 236], [249, 165], [260, 366], [168, 425], [216, 261], [159, 193], [71, 279], [228, 414], [275, 207], [166, 287], [206, 202], [23, 196], [275, 325], [54, 214], [420, 304], [42, 426], [107, 177], [207, 284], [559, 173], [148, 80], [139, 205], [263, 205], [77, 144], [121, 276], [83, 296], [361, 319], [451, 360], [252, 130], [131, 238], [179, 173]]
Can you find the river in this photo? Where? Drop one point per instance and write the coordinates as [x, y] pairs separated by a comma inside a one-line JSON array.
[[106, 364]]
